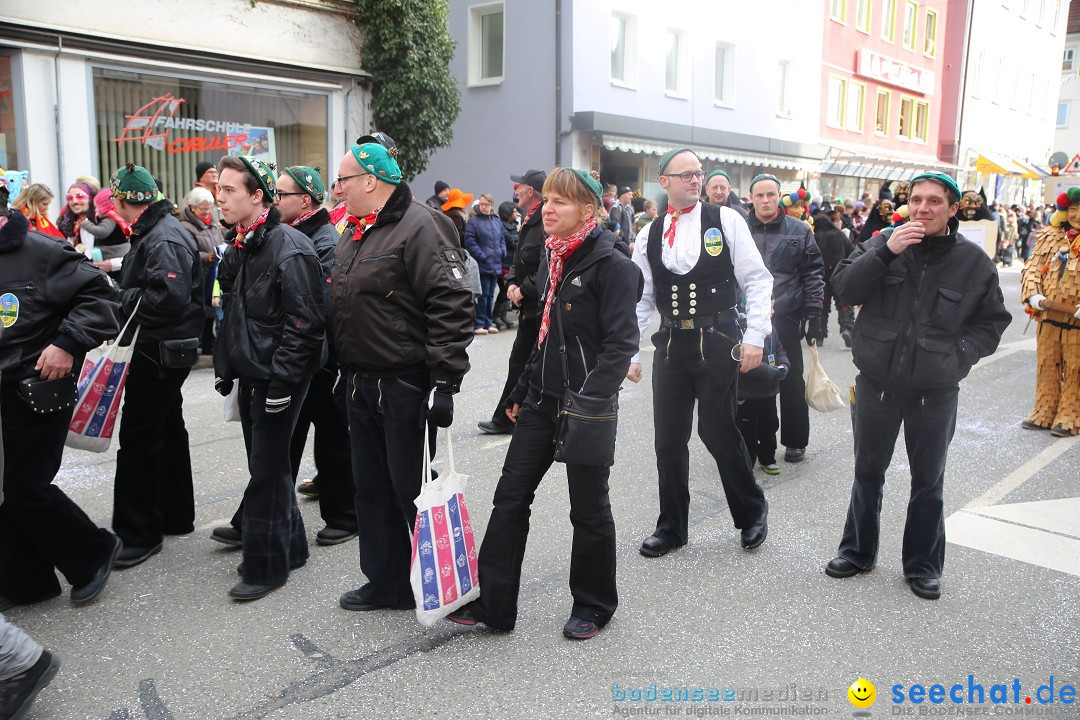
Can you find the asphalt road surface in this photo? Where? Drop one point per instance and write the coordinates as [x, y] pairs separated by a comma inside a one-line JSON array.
[[717, 629]]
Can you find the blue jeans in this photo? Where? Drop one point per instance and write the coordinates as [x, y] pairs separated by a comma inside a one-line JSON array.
[[484, 306], [929, 421]]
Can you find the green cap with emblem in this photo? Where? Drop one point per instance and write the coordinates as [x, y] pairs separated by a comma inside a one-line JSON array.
[[310, 181], [134, 184], [264, 173], [376, 159], [942, 179], [764, 176]]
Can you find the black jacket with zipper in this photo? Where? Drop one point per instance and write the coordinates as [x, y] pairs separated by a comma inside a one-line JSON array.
[[325, 238], [597, 300], [272, 332], [928, 314], [164, 270], [530, 246], [49, 295], [788, 248]]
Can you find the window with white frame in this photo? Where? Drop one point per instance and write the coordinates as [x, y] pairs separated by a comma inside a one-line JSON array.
[[487, 33], [881, 113], [862, 16], [838, 10], [1063, 114], [724, 74], [922, 121], [907, 106], [623, 42], [888, 20], [834, 108], [853, 106], [674, 63], [930, 34], [1068, 60], [977, 73], [786, 81], [996, 95], [911, 21]]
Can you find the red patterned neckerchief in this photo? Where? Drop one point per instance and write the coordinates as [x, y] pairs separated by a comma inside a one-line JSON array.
[[529, 213], [362, 224], [669, 234], [242, 232], [306, 216], [123, 224], [559, 250]]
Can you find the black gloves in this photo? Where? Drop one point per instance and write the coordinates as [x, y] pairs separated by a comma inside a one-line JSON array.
[[223, 387], [814, 331], [277, 399], [441, 409]]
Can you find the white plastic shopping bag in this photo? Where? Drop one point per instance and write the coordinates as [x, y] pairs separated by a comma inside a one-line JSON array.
[[821, 392], [443, 571], [232, 403]]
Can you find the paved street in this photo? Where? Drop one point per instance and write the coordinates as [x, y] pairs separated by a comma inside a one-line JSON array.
[[164, 641]]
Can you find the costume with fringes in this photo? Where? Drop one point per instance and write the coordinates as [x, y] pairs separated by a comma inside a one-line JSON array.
[[1053, 270]]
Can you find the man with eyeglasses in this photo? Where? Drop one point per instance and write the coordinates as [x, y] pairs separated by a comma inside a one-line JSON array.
[[790, 252], [403, 320], [697, 260], [718, 192]]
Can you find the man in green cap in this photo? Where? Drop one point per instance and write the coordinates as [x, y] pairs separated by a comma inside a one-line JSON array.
[[718, 192], [272, 343], [931, 308], [300, 194], [403, 319], [162, 286]]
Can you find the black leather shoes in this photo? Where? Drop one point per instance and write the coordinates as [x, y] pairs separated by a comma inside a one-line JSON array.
[[754, 535], [354, 600], [227, 535], [491, 427], [334, 536], [578, 629], [927, 588], [294, 566], [794, 455], [653, 546], [840, 567], [132, 556], [84, 594], [464, 615], [249, 591]]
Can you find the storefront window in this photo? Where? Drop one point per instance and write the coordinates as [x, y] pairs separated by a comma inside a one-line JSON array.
[[169, 125], [9, 149]]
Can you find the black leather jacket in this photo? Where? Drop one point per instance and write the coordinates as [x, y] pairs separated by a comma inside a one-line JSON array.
[[273, 329]]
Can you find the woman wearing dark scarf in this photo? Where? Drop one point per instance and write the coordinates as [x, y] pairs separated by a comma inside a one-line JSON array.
[[592, 290], [80, 206]]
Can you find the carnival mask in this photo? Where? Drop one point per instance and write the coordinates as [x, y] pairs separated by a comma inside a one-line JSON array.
[[900, 192], [970, 204], [885, 210]]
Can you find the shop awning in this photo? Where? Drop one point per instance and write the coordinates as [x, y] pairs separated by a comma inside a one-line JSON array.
[[855, 161], [622, 143], [989, 163]]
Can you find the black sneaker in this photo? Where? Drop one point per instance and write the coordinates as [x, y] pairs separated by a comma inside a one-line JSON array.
[[578, 629], [227, 535], [308, 488], [18, 693], [334, 536]]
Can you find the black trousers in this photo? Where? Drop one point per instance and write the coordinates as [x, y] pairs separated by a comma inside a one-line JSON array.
[[696, 366], [592, 559], [929, 421], [152, 493], [333, 458], [386, 426], [758, 425], [41, 528], [272, 529], [845, 315], [794, 412], [528, 331]]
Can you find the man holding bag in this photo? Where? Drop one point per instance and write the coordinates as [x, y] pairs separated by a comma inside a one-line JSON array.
[[54, 307], [931, 308]]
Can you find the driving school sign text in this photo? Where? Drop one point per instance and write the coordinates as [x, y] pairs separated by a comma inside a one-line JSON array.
[[152, 123]]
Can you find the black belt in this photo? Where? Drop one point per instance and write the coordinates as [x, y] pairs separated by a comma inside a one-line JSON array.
[[695, 323]]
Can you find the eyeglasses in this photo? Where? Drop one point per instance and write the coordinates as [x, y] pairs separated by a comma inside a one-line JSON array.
[[280, 194], [688, 175], [341, 180], [77, 196]]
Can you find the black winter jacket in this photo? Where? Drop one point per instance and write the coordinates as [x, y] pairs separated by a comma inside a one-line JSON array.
[[272, 332], [164, 269], [402, 302], [598, 298], [788, 248], [928, 314], [49, 295], [324, 236], [527, 262], [833, 244]]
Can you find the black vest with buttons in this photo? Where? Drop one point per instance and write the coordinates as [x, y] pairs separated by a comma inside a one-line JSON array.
[[707, 290]]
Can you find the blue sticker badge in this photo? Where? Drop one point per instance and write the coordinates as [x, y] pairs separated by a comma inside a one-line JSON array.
[[714, 241], [9, 309]]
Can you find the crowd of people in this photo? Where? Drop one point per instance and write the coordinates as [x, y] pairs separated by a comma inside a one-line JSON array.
[[283, 283]]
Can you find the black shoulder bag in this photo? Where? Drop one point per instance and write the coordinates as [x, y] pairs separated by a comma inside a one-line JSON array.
[[587, 425]]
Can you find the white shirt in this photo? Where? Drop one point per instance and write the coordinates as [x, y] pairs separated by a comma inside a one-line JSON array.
[[753, 277]]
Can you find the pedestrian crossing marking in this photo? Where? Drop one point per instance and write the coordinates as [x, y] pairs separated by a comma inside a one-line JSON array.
[[1043, 533]]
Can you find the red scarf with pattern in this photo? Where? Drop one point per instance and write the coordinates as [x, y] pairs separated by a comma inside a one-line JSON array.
[[669, 234], [306, 216], [242, 232], [559, 249], [362, 224]]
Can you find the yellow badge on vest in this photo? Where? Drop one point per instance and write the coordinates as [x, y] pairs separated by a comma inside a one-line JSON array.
[[714, 241], [9, 309]]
